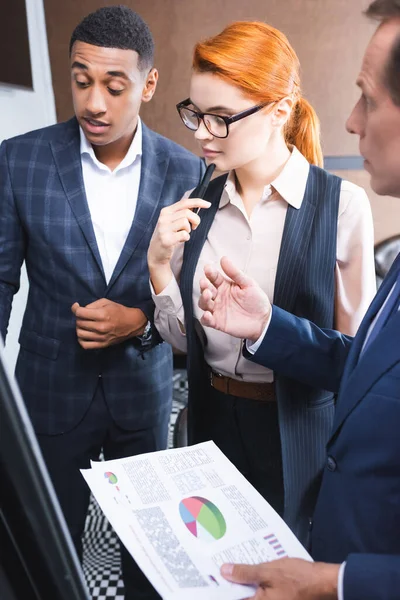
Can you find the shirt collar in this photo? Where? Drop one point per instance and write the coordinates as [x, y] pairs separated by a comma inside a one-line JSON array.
[[290, 183], [135, 149]]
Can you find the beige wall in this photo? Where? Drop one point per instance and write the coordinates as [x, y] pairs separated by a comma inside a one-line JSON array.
[[385, 210], [329, 36]]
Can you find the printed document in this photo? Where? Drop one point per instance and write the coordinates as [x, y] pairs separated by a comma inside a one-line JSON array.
[[182, 513]]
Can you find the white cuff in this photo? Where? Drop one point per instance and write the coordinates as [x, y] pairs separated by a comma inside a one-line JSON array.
[[252, 348], [340, 593], [170, 299]]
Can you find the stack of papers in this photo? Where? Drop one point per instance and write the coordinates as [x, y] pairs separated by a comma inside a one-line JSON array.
[[182, 513]]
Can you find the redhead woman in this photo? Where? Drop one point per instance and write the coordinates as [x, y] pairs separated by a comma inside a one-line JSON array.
[[305, 235]]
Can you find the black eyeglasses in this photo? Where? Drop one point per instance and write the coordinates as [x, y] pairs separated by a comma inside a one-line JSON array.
[[217, 125]]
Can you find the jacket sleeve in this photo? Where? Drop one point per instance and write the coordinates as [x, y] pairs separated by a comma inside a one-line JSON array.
[[372, 577], [12, 242], [296, 348], [147, 307]]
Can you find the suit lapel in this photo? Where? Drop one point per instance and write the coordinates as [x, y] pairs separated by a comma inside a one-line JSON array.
[[293, 252], [68, 162], [378, 358], [152, 177]]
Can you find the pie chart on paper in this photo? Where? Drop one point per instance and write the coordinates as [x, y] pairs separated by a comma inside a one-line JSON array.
[[202, 518], [113, 479]]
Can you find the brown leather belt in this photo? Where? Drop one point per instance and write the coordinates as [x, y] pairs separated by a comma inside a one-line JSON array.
[[265, 392]]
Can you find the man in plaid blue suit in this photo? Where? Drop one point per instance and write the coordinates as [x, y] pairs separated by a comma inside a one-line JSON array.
[[79, 202]]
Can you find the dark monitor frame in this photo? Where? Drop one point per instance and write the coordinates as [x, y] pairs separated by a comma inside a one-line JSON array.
[[38, 559]]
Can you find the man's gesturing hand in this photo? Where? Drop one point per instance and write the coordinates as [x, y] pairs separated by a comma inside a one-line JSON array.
[[233, 303], [287, 579], [105, 323]]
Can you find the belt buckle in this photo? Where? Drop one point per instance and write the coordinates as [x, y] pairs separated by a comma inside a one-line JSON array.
[[212, 375]]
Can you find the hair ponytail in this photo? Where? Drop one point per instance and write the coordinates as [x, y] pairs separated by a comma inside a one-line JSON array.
[[303, 131]]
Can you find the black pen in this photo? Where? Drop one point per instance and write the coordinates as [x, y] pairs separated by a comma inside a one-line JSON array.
[[201, 189]]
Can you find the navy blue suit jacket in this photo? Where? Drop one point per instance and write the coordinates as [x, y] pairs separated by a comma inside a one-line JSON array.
[[45, 220], [357, 516]]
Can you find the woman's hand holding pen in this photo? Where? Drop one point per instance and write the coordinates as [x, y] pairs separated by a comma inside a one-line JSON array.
[[173, 227]]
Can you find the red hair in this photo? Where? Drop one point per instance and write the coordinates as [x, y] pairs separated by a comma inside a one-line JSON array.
[[259, 60]]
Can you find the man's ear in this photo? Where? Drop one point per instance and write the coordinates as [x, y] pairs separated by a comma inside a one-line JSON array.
[[282, 111], [150, 85]]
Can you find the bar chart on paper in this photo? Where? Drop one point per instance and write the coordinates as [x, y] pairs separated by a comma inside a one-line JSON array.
[[202, 518], [275, 544]]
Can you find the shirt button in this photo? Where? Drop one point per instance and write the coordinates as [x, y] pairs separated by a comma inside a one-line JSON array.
[[331, 464], [100, 375]]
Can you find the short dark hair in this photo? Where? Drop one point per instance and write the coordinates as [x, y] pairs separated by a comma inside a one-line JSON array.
[[382, 10], [117, 27]]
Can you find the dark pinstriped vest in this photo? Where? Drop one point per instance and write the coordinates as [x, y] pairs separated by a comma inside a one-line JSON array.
[[305, 286]]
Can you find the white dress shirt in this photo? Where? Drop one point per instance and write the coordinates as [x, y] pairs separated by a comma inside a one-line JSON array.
[[375, 320], [341, 581], [253, 243], [112, 198]]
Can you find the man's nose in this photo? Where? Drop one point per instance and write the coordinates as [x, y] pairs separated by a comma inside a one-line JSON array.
[[352, 123], [96, 103], [349, 125]]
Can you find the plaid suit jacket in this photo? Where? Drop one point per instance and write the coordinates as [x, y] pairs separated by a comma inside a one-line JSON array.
[[45, 220]]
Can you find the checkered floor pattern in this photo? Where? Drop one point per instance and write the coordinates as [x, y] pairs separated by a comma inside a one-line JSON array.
[[101, 556]]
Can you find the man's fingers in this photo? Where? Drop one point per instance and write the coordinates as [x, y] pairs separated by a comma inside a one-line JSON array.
[[206, 300], [92, 345], [213, 275], [89, 336], [84, 325], [98, 303], [90, 314], [205, 284], [234, 273], [94, 326], [246, 574], [208, 319]]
